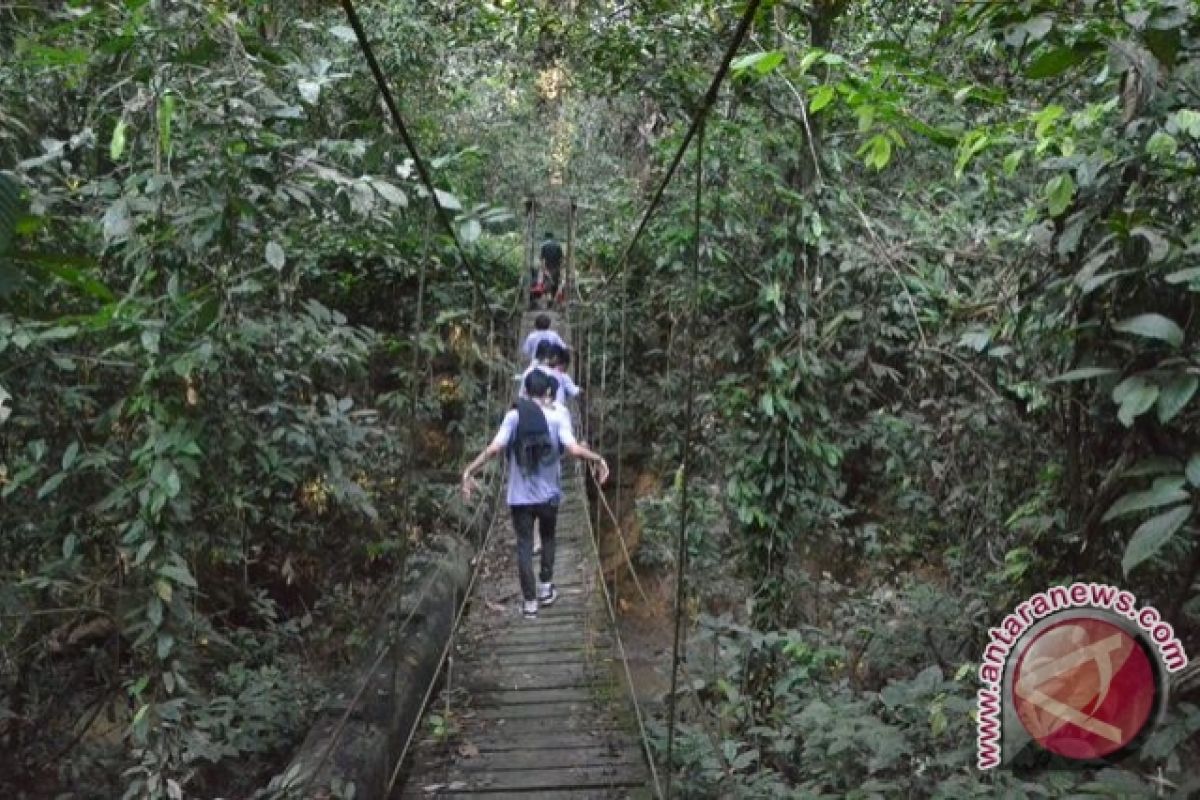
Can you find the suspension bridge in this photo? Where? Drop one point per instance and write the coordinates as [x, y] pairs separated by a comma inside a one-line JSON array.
[[535, 708], [541, 708]]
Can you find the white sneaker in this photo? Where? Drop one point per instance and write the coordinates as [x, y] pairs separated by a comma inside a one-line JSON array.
[[529, 609], [546, 594]]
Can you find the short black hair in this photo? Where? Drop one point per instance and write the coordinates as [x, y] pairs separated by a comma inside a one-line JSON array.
[[549, 235], [544, 349], [542, 322], [539, 384], [560, 356]]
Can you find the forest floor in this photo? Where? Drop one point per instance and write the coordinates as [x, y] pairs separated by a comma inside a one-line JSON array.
[[647, 628]]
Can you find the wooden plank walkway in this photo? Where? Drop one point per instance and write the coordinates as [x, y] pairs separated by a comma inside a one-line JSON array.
[[533, 708]]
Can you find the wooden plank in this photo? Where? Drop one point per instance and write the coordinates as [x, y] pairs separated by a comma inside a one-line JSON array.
[[525, 682], [543, 673], [539, 677], [536, 700], [514, 697], [526, 759], [550, 711], [483, 781], [562, 639], [546, 624], [520, 664], [541, 741], [564, 612], [572, 635], [537, 683], [526, 653], [548, 617], [531, 643], [599, 724]]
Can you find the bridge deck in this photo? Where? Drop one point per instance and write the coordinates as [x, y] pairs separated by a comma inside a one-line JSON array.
[[532, 708]]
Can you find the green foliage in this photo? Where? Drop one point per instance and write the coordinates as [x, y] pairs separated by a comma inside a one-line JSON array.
[[658, 516], [947, 292], [946, 279], [210, 247]]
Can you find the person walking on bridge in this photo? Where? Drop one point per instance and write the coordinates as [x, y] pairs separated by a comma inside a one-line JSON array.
[[541, 333], [534, 435], [540, 363], [559, 362], [553, 360], [552, 256]]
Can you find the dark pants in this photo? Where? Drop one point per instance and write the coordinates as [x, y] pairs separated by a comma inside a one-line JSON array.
[[522, 517]]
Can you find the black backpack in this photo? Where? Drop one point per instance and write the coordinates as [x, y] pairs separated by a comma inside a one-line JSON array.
[[532, 446], [552, 252]]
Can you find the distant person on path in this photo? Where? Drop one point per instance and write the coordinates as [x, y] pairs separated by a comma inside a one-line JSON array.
[[552, 256], [541, 332], [534, 435]]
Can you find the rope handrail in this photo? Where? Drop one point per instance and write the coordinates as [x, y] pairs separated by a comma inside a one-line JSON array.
[[637, 707], [340, 726], [399, 765], [695, 128], [621, 537]]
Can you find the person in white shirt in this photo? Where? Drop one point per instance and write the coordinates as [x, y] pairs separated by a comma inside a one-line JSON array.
[[534, 434], [541, 333], [559, 360]]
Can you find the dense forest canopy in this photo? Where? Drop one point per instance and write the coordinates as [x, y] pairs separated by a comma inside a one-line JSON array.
[[943, 332]]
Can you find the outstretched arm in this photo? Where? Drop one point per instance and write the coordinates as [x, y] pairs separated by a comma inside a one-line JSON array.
[[489, 452], [587, 454]]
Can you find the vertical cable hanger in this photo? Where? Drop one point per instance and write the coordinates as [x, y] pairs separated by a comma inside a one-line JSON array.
[[685, 467]]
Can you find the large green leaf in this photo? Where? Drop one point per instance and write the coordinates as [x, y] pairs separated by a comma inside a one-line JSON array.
[[821, 97], [1164, 492], [1175, 394], [762, 63], [1152, 326], [470, 230], [117, 145], [1126, 387], [1136, 403], [1193, 470], [1060, 190], [276, 256], [71, 270], [1183, 275], [1083, 374], [1152, 534], [166, 117], [1057, 60]]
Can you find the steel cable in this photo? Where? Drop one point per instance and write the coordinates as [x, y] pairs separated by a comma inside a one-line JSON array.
[[418, 162]]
